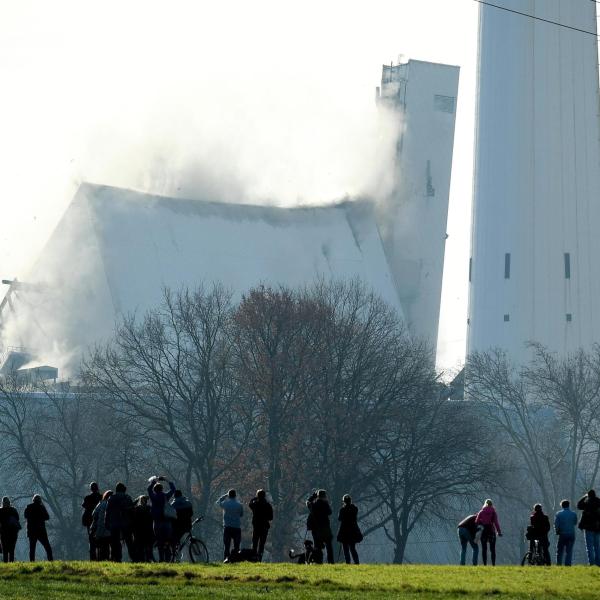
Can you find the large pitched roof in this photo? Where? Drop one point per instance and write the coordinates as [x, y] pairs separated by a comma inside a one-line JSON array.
[[115, 249]]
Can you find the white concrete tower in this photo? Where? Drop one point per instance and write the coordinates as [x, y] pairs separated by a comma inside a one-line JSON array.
[[535, 257], [413, 221]]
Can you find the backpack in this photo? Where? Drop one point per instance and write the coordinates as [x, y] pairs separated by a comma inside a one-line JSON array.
[[169, 512]]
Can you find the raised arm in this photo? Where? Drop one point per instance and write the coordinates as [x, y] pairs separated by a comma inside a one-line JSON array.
[[171, 490]]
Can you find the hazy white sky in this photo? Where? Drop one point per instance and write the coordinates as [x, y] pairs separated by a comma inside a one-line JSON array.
[[263, 100]]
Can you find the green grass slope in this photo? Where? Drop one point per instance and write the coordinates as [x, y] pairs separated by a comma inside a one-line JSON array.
[[78, 580]]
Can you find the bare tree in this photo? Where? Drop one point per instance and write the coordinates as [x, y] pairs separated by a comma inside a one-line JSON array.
[[274, 341], [570, 385], [170, 373], [52, 444]]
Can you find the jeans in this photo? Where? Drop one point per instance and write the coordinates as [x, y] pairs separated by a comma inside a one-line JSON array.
[[565, 546], [231, 534], [116, 550], [592, 546], [466, 538], [488, 537], [350, 549]]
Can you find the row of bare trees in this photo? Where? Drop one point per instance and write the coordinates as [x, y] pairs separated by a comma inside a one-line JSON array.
[[287, 389]]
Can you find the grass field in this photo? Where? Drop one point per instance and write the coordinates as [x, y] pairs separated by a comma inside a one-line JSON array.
[[77, 580]]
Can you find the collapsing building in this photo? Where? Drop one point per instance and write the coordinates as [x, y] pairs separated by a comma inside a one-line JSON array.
[[534, 269], [115, 249]]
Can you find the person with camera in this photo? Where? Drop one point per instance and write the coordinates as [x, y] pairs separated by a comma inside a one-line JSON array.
[[349, 533], [233, 511], [89, 504], [36, 516], [590, 523], [318, 522], [262, 515], [163, 515]]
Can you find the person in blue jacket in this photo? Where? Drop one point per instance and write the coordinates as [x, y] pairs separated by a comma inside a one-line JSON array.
[[565, 522]]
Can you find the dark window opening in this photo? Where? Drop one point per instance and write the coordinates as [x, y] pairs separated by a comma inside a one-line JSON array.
[[567, 265], [507, 266], [506, 318], [569, 317]]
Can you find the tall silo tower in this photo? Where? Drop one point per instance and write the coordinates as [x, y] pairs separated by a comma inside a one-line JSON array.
[[535, 263]]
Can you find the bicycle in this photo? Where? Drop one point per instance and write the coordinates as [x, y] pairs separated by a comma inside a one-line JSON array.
[[190, 548], [534, 558]]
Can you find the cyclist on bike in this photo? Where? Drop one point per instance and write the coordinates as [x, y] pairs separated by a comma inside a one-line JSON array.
[[540, 527], [185, 512]]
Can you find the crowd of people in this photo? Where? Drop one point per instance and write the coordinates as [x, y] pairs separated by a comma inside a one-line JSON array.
[[482, 528], [158, 519], [318, 523]]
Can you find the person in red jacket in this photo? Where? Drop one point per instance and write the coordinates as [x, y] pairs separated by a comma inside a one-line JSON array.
[[488, 519]]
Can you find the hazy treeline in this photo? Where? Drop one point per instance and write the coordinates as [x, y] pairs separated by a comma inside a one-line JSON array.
[[296, 389], [286, 389]]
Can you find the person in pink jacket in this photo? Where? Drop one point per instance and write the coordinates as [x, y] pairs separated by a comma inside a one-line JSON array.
[[488, 519]]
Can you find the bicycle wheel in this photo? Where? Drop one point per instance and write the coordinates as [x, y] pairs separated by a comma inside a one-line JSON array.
[[197, 551], [526, 562]]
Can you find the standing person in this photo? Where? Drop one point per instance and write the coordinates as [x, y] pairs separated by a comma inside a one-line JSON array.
[[590, 523], [262, 515], [233, 511], [36, 516], [98, 528], [565, 521], [349, 533], [318, 522], [9, 529], [540, 528], [163, 527], [488, 519], [89, 504], [185, 513], [118, 521], [467, 534], [142, 529]]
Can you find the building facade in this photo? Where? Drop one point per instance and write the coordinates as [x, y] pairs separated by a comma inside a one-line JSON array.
[[535, 258], [413, 221]]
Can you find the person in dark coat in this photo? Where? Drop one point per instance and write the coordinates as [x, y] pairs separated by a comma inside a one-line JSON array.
[[98, 528], [467, 532], [9, 529], [89, 504], [262, 515], [142, 530], [349, 533], [540, 528], [36, 516], [118, 521], [185, 513], [590, 523], [163, 527], [318, 522]]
